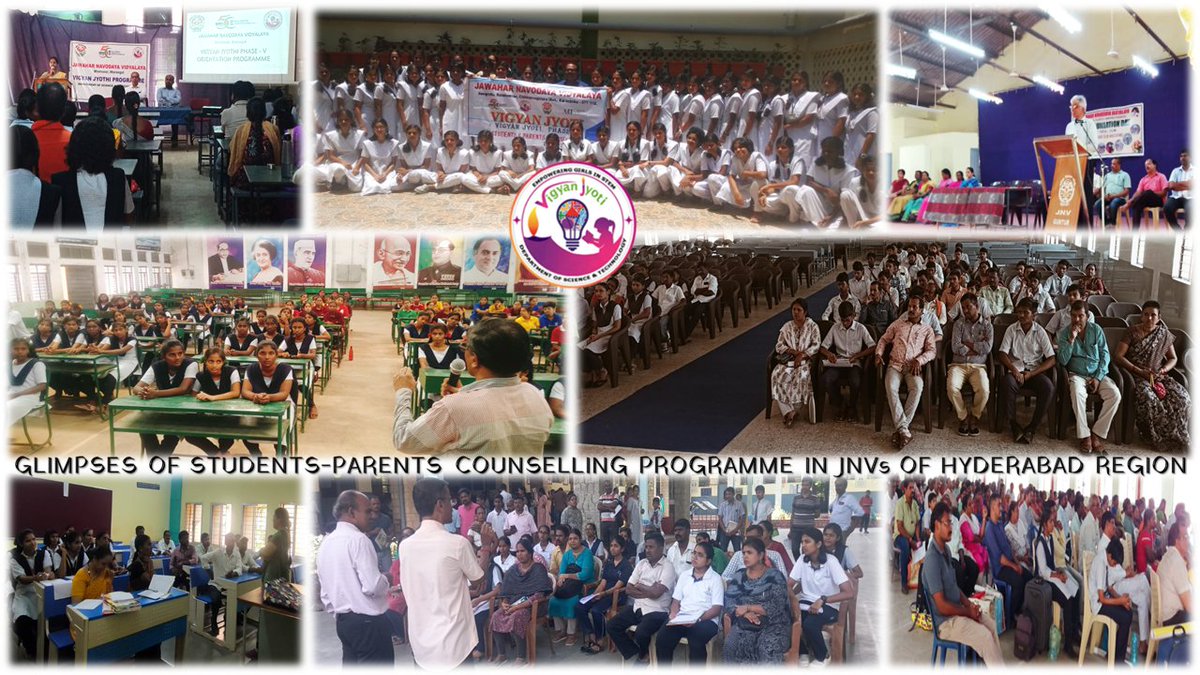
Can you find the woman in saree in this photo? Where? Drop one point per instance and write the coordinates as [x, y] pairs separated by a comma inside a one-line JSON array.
[[1161, 403]]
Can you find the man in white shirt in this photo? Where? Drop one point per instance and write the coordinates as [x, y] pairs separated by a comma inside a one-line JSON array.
[[1056, 284], [844, 295], [225, 563], [485, 269], [680, 552], [1176, 591], [352, 588], [1084, 131], [1179, 189], [650, 586], [761, 508], [436, 571], [165, 545], [497, 516], [235, 115], [669, 295], [519, 522], [844, 508], [1026, 355], [860, 285]]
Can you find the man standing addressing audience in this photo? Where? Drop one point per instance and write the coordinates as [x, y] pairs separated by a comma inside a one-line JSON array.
[[959, 619], [437, 569], [1084, 131], [497, 413], [352, 587]]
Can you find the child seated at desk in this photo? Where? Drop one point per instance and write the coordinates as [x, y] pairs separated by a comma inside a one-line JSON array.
[[267, 381], [242, 341], [124, 347], [301, 345], [216, 381], [173, 375], [271, 332], [26, 381], [43, 337]]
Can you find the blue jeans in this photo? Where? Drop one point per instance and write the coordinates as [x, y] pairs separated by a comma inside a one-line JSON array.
[[1110, 216], [810, 625], [903, 557]]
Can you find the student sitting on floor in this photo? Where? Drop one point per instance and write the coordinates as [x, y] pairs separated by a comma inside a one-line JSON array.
[[267, 381], [517, 167], [450, 165], [173, 375]]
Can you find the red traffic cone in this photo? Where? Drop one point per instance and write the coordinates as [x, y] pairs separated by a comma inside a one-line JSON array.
[[350, 353]]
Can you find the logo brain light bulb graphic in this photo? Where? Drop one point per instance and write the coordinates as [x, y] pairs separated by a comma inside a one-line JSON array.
[[572, 218]]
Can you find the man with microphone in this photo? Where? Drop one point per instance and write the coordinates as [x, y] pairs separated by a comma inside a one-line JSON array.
[[497, 413], [1084, 131]]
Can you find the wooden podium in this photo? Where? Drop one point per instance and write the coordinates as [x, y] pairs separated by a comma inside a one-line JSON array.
[[1066, 196]]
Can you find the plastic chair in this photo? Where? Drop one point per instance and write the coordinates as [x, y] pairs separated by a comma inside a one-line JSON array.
[[1122, 309], [942, 647], [1156, 619], [1088, 638], [1100, 303]]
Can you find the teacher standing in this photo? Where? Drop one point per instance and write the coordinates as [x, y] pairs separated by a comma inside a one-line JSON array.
[[437, 569], [1084, 130], [352, 588]]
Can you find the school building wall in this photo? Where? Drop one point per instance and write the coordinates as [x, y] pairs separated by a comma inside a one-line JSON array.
[[237, 493]]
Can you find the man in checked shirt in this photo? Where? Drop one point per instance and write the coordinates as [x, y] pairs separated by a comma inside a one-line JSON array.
[[912, 346]]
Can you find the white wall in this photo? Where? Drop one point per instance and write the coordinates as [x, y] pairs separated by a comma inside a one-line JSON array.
[[918, 139]]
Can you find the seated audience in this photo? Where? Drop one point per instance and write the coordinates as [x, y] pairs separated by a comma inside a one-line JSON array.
[[758, 609], [820, 586], [1161, 404]]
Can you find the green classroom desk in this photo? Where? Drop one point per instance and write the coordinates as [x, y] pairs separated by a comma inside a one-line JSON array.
[[94, 366], [429, 382], [185, 416], [324, 342]]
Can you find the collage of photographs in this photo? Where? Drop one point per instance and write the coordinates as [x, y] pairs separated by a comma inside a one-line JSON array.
[[501, 255]]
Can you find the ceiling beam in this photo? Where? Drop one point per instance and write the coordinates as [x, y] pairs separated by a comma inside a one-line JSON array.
[[938, 64], [918, 32], [1065, 52], [1154, 35], [910, 101]]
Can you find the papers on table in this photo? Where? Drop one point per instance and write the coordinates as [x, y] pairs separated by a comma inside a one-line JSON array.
[[160, 587], [60, 588], [87, 605]]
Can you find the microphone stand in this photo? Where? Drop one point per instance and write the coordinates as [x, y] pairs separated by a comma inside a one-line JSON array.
[[1103, 175]]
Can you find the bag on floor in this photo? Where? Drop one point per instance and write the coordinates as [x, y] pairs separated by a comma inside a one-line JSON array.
[[1039, 601], [1024, 646], [918, 610], [1173, 651], [914, 574]]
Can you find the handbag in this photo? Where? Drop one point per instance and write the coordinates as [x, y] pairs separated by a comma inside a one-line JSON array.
[[280, 593], [742, 623], [570, 588]]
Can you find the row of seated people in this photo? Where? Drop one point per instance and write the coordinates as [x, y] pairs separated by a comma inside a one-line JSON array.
[[1104, 357], [634, 593], [907, 198], [1097, 559], [90, 561], [655, 305]]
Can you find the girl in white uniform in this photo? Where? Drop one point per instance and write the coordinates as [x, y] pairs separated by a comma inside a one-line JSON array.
[[747, 117], [122, 345], [452, 102], [833, 106], [633, 158], [377, 162], [662, 158], [714, 163], [606, 320], [862, 124], [410, 97], [714, 108], [364, 102], [691, 109], [387, 97], [667, 104], [486, 159], [731, 113], [605, 150], [800, 116], [518, 167], [26, 381], [747, 172], [578, 148], [785, 174], [340, 150], [431, 104], [820, 197], [551, 155], [861, 202], [629, 105], [685, 168], [413, 161], [344, 94], [325, 101], [770, 117], [450, 164]]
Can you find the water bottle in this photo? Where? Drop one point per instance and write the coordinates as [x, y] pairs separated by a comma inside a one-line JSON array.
[[1055, 643], [1133, 647]]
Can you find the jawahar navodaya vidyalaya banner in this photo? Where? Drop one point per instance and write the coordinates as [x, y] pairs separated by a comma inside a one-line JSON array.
[[531, 110]]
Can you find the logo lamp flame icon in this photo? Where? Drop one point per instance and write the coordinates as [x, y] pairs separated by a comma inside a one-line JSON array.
[[572, 218]]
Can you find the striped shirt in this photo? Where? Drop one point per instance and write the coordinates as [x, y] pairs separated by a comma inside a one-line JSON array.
[[500, 416]]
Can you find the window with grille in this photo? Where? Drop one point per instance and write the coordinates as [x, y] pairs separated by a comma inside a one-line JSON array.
[[39, 283], [141, 256], [126, 279], [110, 280], [254, 525], [109, 254], [76, 252], [1114, 246], [126, 256], [143, 276], [38, 249], [155, 276], [301, 530], [154, 256], [193, 519], [1137, 251], [1183, 259], [14, 284], [222, 522]]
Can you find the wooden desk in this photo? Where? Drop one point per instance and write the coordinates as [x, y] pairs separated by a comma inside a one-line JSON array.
[[108, 638], [183, 416], [278, 629]]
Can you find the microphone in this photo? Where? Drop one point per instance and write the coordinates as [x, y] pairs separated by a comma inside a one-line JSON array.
[[457, 368]]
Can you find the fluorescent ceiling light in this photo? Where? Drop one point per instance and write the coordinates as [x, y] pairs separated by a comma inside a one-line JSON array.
[[901, 71], [1048, 83], [954, 43], [1064, 19], [1145, 66], [984, 96]]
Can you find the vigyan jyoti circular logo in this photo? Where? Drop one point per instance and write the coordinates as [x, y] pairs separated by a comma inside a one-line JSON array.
[[573, 224]]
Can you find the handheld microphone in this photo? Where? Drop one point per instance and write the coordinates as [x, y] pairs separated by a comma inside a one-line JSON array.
[[457, 368]]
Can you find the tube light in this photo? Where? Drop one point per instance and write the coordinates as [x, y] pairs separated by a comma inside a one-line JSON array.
[[1064, 18], [954, 43], [1145, 66], [1048, 83], [901, 71], [984, 96]]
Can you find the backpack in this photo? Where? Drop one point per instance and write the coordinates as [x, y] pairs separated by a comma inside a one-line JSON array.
[[1024, 646], [918, 609]]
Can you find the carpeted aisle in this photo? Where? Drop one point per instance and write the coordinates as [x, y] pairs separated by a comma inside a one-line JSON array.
[[704, 405]]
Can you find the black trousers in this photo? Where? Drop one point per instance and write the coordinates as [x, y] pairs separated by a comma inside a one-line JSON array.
[[647, 626], [698, 636], [217, 596], [1043, 388], [1124, 619], [1089, 170], [834, 378], [1174, 204], [1140, 203], [365, 639], [1070, 610], [26, 629], [1017, 583], [152, 445], [967, 574]]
